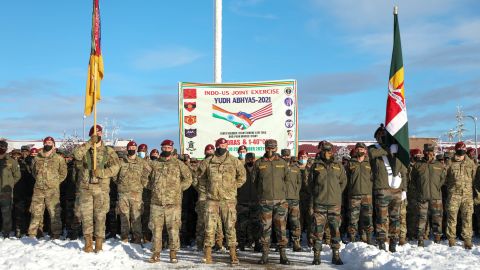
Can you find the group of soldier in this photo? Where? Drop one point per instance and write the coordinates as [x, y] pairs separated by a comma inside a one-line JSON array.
[[239, 201]]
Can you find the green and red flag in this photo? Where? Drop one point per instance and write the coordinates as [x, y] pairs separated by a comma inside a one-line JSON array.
[[95, 65], [396, 117]]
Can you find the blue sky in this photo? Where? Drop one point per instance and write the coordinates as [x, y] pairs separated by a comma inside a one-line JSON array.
[[338, 50]]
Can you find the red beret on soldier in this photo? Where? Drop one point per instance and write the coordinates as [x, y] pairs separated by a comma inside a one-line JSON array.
[[99, 129], [209, 147], [142, 147], [48, 139], [220, 141], [131, 143], [167, 142]]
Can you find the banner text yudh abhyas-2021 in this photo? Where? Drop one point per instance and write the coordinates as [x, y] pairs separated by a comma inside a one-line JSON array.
[[243, 113]]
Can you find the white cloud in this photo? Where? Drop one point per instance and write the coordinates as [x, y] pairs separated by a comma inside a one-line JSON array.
[[165, 58], [247, 8]]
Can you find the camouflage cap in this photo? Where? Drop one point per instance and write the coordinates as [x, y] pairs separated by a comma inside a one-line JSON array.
[[25, 148], [271, 143], [327, 146], [285, 152], [428, 147], [360, 145], [250, 155]]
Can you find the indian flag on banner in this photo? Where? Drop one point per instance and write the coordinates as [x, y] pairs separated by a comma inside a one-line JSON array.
[[240, 122], [396, 117]]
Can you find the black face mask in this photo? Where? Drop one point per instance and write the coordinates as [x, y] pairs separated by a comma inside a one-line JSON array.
[[153, 158], [250, 164], [460, 152], [131, 152], [166, 153], [220, 151], [269, 154], [47, 148], [3, 151]]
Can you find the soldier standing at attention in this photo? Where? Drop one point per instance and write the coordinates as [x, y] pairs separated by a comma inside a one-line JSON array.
[[294, 184], [169, 178], [49, 170], [460, 175], [219, 177], [271, 176], [94, 187], [131, 180], [327, 180], [9, 175]]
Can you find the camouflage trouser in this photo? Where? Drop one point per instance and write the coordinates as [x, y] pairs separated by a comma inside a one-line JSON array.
[[22, 214], [130, 211], [201, 209], [428, 208], [147, 198], [387, 202], [72, 224], [306, 213], [361, 209], [294, 219], [323, 214], [93, 205], [274, 212], [464, 203], [49, 199], [248, 223], [403, 219], [226, 212], [170, 216], [6, 209]]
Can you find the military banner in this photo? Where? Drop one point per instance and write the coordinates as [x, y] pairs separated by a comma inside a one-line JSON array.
[[243, 113]]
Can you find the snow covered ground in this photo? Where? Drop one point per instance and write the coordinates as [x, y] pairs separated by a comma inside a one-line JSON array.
[[26, 253]]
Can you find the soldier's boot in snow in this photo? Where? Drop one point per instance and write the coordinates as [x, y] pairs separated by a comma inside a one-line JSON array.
[[283, 257], [437, 239], [155, 257], [381, 244], [233, 256], [316, 257], [336, 257], [451, 242], [296, 246], [173, 256], [207, 255], [420, 242], [264, 259], [402, 241], [88, 243], [467, 244], [392, 247]]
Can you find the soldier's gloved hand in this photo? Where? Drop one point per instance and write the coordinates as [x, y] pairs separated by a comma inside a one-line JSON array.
[[99, 173]]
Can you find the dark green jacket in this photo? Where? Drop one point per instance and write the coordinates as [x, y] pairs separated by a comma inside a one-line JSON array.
[[360, 180], [327, 182], [9, 174], [380, 175], [271, 178], [294, 182], [428, 178]]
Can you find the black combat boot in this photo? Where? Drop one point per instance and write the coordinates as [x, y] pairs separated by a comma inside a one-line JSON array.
[[283, 256], [316, 257], [336, 257], [420, 242], [352, 238], [381, 244], [392, 247], [264, 259], [258, 247], [369, 239]]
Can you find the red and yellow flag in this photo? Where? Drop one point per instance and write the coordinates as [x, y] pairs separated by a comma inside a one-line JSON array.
[[95, 65]]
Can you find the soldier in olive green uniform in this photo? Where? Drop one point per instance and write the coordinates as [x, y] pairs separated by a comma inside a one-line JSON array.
[[459, 183], [219, 178], [327, 180], [428, 176], [248, 211], [49, 170], [293, 185], [132, 178], [306, 210], [271, 176], [412, 194], [170, 177], [23, 192], [9, 175], [360, 184], [94, 187], [389, 183]]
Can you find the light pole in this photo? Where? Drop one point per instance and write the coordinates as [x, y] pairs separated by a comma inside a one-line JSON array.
[[474, 118]]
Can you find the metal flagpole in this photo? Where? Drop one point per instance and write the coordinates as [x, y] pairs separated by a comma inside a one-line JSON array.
[[218, 42], [95, 70]]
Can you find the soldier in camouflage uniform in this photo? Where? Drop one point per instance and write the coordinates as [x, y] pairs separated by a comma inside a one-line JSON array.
[[306, 210], [170, 177], [327, 180], [459, 183], [293, 185], [428, 176], [94, 187], [200, 209], [412, 213], [389, 183], [49, 170], [248, 211], [9, 175], [23, 192], [131, 180], [360, 184], [219, 178], [271, 177]]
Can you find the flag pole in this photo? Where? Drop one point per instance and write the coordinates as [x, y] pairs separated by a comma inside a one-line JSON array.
[[95, 70], [217, 59]]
